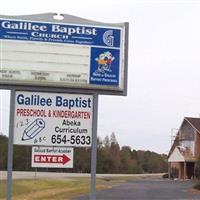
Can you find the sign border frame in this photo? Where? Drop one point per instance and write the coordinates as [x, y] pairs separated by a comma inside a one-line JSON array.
[[88, 89], [66, 93], [32, 154]]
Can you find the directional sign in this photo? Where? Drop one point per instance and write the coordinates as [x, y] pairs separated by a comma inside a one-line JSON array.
[[54, 157], [53, 119], [80, 54], [42, 158]]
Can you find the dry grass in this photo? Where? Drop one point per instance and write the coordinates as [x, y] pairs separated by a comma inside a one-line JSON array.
[[51, 189]]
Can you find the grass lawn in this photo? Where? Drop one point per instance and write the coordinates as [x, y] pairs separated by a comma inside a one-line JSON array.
[[53, 189]]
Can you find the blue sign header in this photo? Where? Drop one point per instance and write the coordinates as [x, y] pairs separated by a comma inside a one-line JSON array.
[[60, 33]]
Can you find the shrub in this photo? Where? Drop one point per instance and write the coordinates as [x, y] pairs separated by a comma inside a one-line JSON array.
[[197, 186], [165, 176]]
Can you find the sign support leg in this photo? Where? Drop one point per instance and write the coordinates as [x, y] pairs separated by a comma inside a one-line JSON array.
[[10, 146], [94, 149]]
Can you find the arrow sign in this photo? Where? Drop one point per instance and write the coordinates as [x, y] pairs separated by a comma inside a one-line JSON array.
[[65, 159], [62, 159], [55, 157]]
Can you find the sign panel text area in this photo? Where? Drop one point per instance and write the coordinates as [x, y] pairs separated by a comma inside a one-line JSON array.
[[53, 157], [39, 62], [63, 55], [53, 119]]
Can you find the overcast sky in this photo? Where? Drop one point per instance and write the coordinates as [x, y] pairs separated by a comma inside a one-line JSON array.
[[164, 66]]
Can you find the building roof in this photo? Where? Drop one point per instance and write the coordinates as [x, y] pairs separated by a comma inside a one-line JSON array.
[[194, 122], [181, 154], [187, 154]]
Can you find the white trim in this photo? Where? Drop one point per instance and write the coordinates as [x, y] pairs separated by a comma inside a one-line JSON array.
[[176, 156]]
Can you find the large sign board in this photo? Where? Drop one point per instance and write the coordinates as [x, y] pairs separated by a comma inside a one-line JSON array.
[[52, 157], [63, 54], [53, 119]]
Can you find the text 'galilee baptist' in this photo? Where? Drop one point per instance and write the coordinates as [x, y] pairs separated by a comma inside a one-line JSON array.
[[56, 28], [58, 101]]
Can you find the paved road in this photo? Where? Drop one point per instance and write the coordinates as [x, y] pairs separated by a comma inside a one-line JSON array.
[[54, 175], [148, 189]]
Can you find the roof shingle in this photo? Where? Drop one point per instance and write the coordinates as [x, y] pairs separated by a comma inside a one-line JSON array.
[[195, 122]]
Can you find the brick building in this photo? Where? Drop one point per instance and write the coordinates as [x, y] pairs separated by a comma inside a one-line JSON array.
[[185, 149]]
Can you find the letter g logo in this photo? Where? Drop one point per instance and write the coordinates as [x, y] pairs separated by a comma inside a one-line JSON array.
[[108, 38]]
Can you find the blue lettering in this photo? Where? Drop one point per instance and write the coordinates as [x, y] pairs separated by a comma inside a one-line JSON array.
[[71, 103], [77, 102], [33, 100], [59, 101], [20, 99]]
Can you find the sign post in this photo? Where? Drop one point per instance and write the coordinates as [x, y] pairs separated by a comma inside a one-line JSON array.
[[94, 149], [10, 146]]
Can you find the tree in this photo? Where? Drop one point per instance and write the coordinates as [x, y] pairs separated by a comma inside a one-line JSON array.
[[82, 160], [115, 153], [106, 142], [3, 152], [129, 163], [125, 157], [113, 139], [110, 158], [22, 158]]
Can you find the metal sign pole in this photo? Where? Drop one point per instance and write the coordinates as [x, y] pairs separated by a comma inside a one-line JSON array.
[[94, 149], [10, 146]]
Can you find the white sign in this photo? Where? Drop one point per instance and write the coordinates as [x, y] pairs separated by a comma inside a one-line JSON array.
[[52, 157], [63, 54], [53, 119]]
